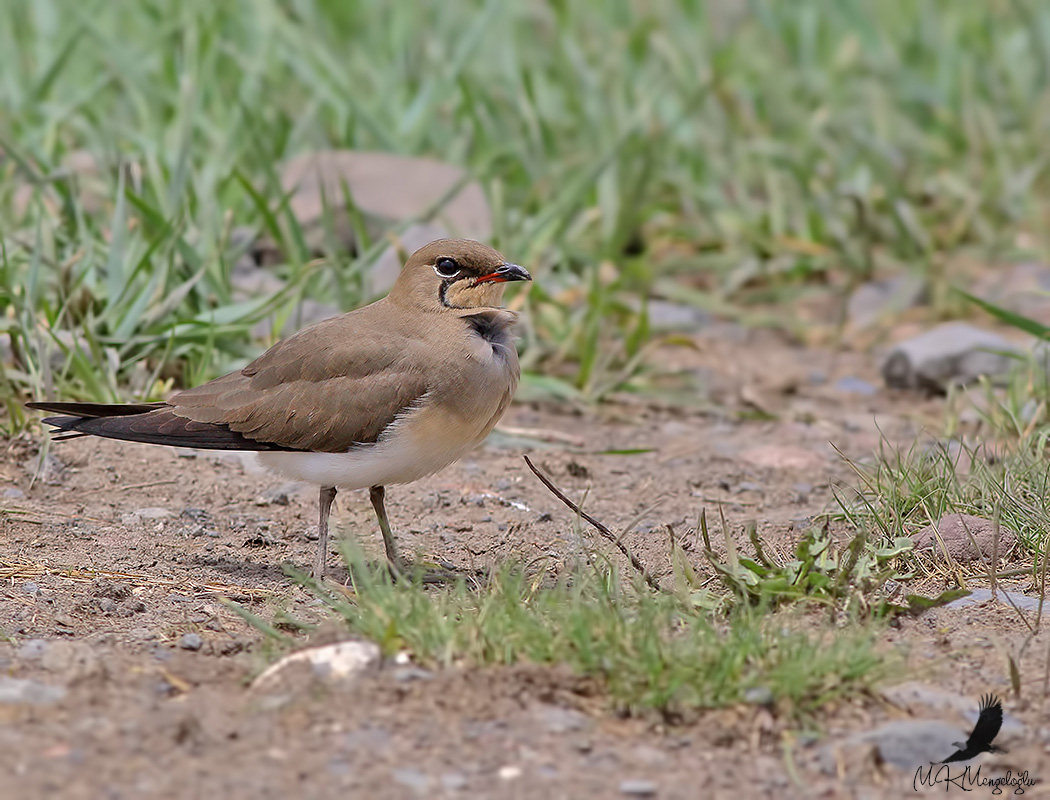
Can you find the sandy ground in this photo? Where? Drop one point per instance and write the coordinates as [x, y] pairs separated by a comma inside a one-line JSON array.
[[133, 713]]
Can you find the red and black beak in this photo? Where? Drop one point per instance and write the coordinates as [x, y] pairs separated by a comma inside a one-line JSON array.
[[505, 273]]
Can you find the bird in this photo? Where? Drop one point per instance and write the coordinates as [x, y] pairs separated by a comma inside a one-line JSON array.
[[385, 394], [989, 721]]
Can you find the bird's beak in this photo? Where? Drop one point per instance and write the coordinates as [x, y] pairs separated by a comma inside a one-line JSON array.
[[504, 273]]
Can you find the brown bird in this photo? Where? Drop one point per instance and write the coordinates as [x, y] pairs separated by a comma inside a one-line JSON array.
[[386, 394]]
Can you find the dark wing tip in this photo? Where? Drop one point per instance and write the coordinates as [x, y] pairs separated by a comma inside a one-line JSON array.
[[989, 721]]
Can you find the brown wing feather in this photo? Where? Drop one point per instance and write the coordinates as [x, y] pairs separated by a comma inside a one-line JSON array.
[[338, 383]]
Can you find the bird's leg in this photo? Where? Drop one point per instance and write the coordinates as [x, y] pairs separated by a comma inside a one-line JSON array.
[[377, 494], [325, 503]]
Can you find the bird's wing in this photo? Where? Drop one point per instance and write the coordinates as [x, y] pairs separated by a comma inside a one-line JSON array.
[[333, 385], [989, 721]]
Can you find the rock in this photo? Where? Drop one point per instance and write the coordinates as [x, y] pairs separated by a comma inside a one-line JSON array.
[[13, 493], [903, 744], [759, 696], [950, 354], [144, 515], [638, 788], [917, 696], [509, 772], [278, 495], [16, 691], [853, 385], [875, 300], [978, 596], [329, 663], [191, 641], [411, 674], [383, 273], [561, 720], [387, 188], [962, 535]]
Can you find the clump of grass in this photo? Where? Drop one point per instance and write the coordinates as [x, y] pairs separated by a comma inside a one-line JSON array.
[[651, 650], [713, 153]]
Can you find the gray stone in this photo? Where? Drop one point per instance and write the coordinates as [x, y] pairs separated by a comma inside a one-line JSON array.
[[950, 354], [635, 787], [978, 596], [411, 674], [383, 273], [759, 696], [144, 515], [875, 300], [965, 537], [13, 493], [561, 720], [278, 495], [385, 189], [903, 744], [914, 695], [16, 691], [854, 385], [191, 641]]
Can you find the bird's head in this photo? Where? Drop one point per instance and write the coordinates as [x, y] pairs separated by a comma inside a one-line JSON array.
[[455, 273]]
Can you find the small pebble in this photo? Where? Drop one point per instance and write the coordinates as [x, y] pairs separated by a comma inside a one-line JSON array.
[[13, 493], [759, 696], [30, 588], [509, 772], [638, 788], [191, 641]]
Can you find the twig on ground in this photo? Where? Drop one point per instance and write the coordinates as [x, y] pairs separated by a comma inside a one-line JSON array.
[[605, 532]]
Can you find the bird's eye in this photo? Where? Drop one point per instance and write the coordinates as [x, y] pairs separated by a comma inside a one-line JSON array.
[[446, 268]]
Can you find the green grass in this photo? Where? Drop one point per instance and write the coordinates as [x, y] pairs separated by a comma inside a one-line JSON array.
[[648, 650], [750, 150]]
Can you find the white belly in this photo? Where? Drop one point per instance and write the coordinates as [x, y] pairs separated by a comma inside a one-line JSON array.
[[410, 452]]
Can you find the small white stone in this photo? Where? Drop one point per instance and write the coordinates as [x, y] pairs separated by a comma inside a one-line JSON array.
[[509, 772], [333, 662]]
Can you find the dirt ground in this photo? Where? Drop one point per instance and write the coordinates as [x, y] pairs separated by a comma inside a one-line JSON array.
[[140, 683]]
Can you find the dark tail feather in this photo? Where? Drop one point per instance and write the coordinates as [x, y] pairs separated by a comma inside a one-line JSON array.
[[151, 423], [95, 409]]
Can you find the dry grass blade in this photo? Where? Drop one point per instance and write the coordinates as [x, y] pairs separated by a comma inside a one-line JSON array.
[[605, 532]]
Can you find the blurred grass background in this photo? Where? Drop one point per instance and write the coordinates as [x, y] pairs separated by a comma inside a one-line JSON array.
[[718, 154]]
